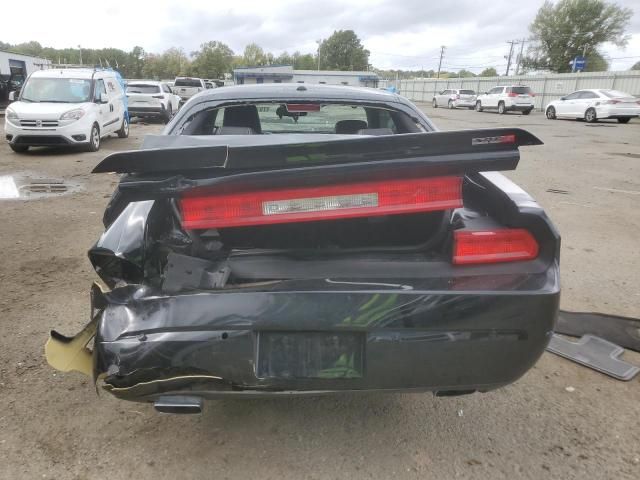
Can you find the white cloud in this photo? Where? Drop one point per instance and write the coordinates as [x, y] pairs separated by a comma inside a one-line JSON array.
[[405, 34]]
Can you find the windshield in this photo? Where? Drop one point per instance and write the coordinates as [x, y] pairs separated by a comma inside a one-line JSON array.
[[57, 90], [615, 94], [187, 82], [143, 89]]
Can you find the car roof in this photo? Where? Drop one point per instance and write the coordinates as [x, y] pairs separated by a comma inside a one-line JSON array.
[[144, 82], [297, 91], [81, 73]]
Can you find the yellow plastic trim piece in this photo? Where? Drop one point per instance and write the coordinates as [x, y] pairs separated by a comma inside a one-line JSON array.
[[71, 354]]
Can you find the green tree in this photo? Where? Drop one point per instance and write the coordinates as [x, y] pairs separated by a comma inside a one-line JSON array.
[[568, 28], [254, 56], [636, 66], [489, 72], [343, 51], [213, 60], [136, 63], [465, 74], [304, 61]]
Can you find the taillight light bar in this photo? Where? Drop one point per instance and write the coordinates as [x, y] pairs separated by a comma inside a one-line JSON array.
[[493, 246], [364, 199]]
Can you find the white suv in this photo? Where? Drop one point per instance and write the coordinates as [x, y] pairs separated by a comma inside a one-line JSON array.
[[70, 106], [454, 98], [148, 98], [504, 99]]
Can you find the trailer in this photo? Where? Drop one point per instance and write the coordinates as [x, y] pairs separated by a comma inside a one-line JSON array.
[[14, 70]]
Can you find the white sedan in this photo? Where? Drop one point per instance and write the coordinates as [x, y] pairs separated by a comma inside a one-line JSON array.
[[595, 104]]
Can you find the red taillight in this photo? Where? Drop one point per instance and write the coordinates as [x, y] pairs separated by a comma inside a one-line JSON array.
[[612, 102], [364, 199], [511, 94], [493, 246], [532, 94]]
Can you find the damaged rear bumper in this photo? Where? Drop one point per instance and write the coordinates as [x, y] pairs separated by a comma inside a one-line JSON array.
[[356, 337]]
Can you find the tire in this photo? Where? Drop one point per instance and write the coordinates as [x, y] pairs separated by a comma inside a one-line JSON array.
[[94, 139], [168, 113], [526, 112], [590, 115], [124, 129], [624, 120], [434, 103], [551, 113], [478, 106], [501, 108], [19, 148], [450, 104]]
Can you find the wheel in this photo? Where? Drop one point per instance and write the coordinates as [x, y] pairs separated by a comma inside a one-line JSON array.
[[551, 113], [624, 120], [590, 115], [19, 148], [478, 106], [501, 108], [526, 112], [450, 104], [94, 139], [124, 129], [168, 113], [434, 103]]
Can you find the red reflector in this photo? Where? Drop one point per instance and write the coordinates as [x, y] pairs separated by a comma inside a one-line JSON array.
[[364, 199], [303, 107], [493, 246]]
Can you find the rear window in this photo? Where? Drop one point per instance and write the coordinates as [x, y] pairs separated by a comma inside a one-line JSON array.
[[521, 90], [143, 89], [303, 118], [615, 94], [187, 82], [467, 92]]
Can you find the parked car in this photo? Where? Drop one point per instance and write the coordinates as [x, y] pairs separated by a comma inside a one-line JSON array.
[[454, 98], [72, 106], [595, 104], [355, 248], [149, 98], [518, 98], [187, 87]]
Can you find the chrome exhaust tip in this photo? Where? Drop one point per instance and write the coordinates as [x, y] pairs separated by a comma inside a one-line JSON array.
[[179, 404]]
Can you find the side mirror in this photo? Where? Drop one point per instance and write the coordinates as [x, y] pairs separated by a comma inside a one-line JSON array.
[[102, 98], [12, 96], [563, 98], [486, 93]]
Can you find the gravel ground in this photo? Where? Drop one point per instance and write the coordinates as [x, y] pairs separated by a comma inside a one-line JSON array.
[[560, 420]]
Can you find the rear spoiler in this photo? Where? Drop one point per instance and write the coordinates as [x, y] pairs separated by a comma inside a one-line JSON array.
[[457, 151]]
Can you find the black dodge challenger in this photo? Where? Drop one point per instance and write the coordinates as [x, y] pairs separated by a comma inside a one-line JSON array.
[[304, 239]]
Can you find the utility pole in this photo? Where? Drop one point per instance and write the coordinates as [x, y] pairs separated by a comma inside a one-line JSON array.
[[442, 48], [80, 48], [319, 42], [522, 42], [512, 42]]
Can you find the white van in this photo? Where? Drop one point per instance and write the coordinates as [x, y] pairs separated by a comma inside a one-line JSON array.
[[70, 106]]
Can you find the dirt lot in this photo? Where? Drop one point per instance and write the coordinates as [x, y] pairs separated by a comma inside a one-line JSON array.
[[54, 426]]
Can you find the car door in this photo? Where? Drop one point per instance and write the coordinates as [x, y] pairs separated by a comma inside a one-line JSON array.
[[171, 98], [571, 104], [103, 109], [440, 97], [563, 105], [493, 97], [583, 102], [116, 102]]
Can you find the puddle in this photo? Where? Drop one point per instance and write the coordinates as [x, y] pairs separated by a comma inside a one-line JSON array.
[[25, 186]]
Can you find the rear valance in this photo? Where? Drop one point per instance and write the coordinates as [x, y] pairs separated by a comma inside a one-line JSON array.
[[458, 151]]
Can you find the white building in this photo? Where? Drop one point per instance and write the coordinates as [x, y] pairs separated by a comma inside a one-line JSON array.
[[286, 74], [14, 70]]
